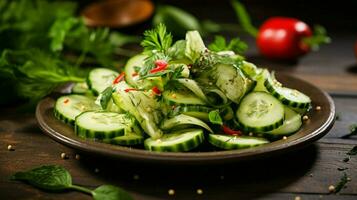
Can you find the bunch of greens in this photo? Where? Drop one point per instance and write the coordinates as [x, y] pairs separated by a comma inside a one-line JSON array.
[[56, 178], [34, 34]]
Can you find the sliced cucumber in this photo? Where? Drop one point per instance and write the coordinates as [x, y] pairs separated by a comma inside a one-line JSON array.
[[233, 83], [292, 123], [183, 140], [181, 97], [260, 112], [260, 79], [182, 119], [131, 76], [68, 107], [100, 78], [193, 86], [235, 142], [102, 124], [198, 111], [80, 88], [127, 140], [287, 96]]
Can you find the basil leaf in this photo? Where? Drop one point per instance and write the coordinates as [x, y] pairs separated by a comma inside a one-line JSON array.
[[110, 192], [215, 118], [51, 177], [106, 95]]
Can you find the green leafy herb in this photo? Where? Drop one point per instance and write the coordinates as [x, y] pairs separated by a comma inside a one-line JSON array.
[[52, 177], [236, 45], [56, 178], [32, 74], [105, 97], [244, 18], [342, 183], [157, 39], [109, 192], [353, 131], [214, 117], [353, 151]]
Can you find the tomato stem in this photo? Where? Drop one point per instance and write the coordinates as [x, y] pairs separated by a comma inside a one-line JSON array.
[[319, 37]]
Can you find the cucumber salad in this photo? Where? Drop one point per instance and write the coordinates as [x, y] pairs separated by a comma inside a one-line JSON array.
[[177, 96]]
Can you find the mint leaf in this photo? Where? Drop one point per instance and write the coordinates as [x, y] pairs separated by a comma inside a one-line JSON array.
[[214, 117], [110, 192], [51, 177]]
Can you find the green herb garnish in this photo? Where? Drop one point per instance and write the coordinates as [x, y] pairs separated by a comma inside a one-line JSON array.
[[236, 45], [214, 117], [342, 183], [353, 131], [157, 39], [105, 97], [56, 178], [353, 151]]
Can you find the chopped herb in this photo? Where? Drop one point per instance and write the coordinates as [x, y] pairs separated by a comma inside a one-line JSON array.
[[105, 97], [353, 151], [342, 183], [236, 45], [157, 39], [346, 159], [353, 131], [342, 168]]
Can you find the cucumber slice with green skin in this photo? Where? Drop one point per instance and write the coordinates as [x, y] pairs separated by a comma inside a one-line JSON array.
[[292, 123], [131, 76], [68, 107], [178, 141], [181, 98], [101, 124], [260, 112], [126, 140], [101, 78], [198, 111], [235, 142], [183, 120], [80, 88], [287, 96], [260, 79]]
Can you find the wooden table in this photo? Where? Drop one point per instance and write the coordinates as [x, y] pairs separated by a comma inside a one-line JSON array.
[[306, 173]]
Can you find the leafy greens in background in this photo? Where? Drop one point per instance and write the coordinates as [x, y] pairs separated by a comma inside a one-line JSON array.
[[56, 178], [33, 37]]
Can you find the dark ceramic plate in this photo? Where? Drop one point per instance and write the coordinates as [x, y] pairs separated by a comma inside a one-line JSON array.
[[319, 123]]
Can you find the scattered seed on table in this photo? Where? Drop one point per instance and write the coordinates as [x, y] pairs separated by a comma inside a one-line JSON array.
[[331, 188], [96, 170], [171, 192], [318, 108], [199, 191], [10, 147], [64, 156], [284, 138], [77, 157], [297, 198], [305, 117], [311, 175]]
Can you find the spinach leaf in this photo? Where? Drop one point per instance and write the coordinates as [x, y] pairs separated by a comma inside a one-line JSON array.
[[214, 117], [110, 192], [52, 177]]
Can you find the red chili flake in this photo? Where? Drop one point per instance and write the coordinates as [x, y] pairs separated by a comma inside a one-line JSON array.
[[119, 78], [230, 131], [66, 101], [130, 89], [156, 90], [160, 66], [134, 74]]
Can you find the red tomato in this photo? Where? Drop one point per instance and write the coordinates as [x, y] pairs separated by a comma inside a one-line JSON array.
[[282, 38], [230, 131]]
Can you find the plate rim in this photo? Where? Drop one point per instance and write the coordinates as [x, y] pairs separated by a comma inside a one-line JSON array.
[[224, 156]]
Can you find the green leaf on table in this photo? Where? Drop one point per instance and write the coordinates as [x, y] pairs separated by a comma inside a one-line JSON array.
[[236, 45], [51, 177], [110, 192], [353, 131], [214, 117]]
